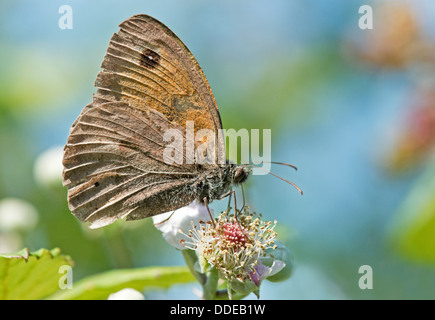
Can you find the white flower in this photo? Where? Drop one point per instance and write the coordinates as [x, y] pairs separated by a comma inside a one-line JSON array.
[[48, 167], [17, 214], [126, 294], [170, 223], [242, 252], [10, 242]]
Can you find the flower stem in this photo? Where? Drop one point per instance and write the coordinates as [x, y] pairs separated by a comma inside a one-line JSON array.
[[208, 282], [223, 295], [191, 258], [210, 286]]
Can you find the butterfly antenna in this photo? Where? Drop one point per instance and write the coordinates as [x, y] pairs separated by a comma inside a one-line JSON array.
[[274, 162], [285, 180]]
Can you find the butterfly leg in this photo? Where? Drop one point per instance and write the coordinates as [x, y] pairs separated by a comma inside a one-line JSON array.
[[243, 198], [230, 194], [233, 192], [209, 213], [235, 204], [235, 212], [229, 201], [163, 221]]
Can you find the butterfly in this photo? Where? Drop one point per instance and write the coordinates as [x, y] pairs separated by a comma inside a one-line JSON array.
[[114, 164]]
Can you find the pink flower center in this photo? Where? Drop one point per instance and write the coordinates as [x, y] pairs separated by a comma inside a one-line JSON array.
[[233, 233]]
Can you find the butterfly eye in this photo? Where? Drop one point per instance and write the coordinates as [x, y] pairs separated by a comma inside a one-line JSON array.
[[240, 175]]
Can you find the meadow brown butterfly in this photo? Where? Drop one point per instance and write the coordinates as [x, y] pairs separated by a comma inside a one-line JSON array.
[[114, 158]]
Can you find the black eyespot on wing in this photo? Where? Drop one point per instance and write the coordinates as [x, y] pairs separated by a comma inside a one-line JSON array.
[[149, 59]]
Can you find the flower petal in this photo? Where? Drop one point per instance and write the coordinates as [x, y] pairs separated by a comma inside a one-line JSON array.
[[170, 223]]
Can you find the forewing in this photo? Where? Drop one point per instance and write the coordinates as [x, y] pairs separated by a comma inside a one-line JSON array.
[[148, 66]]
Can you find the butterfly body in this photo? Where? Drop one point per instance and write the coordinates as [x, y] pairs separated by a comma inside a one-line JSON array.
[[215, 183]]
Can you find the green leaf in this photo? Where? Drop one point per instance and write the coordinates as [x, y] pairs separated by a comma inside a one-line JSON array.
[[31, 275], [100, 286], [244, 287], [412, 231]]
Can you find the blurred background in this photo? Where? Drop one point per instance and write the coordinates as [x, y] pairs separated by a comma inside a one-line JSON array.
[[353, 109]]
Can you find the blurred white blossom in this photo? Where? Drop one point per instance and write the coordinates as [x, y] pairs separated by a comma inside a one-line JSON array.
[[126, 294], [17, 214], [48, 167], [10, 242]]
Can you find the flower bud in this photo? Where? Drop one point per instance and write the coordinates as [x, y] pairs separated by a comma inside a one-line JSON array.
[[280, 260]]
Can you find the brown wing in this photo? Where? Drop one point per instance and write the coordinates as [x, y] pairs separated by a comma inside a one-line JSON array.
[[148, 66], [113, 163], [114, 168]]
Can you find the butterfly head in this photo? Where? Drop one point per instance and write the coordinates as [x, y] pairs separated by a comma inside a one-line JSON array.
[[239, 174]]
